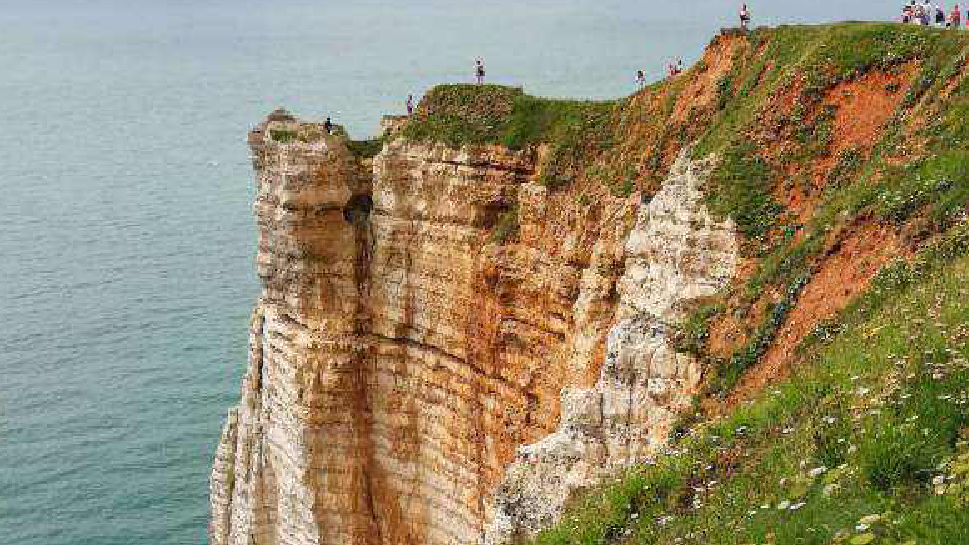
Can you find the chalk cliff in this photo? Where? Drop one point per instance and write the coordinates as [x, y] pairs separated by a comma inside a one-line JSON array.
[[399, 357], [448, 344]]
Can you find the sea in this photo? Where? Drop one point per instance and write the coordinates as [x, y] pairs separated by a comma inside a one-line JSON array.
[[126, 233]]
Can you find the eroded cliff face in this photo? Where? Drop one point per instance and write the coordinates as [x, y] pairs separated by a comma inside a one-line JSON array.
[[412, 381], [675, 252]]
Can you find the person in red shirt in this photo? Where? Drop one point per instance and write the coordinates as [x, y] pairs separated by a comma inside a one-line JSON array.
[[955, 18]]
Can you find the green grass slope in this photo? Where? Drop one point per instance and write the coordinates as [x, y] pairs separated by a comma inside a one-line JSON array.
[[867, 443]]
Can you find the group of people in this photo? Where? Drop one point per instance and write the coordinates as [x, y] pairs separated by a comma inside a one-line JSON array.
[[927, 14], [923, 13], [479, 75], [673, 69]]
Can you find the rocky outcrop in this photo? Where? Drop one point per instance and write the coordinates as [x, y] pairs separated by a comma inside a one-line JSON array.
[[400, 358]]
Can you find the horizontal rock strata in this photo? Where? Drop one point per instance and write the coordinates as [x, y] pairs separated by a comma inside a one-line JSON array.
[[675, 252], [400, 358]]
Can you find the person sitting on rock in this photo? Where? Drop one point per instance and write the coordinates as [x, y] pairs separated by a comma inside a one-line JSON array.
[[328, 126], [744, 17]]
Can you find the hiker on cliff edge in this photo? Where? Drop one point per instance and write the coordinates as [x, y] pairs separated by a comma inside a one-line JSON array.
[[328, 126], [479, 71], [410, 105], [744, 17], [640, 79]]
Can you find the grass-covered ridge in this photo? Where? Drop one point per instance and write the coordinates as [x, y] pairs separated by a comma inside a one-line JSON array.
[[492, 114], [824, 133], [867, 443], [574, 130], [785, 125]]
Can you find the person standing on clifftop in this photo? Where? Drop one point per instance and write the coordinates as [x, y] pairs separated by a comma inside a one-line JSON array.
[[410, 105], [955, 18], [640, 79], [328, 126], [479, 71], [744, 17]]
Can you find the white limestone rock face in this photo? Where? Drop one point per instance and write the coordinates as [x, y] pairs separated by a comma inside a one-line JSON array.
[[676, 251], [399, 357], [279, 477], [396, 359]]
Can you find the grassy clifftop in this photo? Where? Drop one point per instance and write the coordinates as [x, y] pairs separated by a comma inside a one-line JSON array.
[[482, 114], [574, 130], [836, 400]]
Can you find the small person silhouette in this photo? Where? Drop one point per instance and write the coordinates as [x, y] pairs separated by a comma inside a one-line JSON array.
[[479, 71]]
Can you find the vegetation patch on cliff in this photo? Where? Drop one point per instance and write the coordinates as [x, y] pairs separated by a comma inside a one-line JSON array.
[[867, 443], [821, 130], [492, 114], [366, 149], [459, 115], [507, 227]]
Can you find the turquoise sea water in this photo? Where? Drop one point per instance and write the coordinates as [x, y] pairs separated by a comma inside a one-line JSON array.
[[126, 238]]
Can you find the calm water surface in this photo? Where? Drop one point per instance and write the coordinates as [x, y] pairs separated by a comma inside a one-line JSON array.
[[126, 238]]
